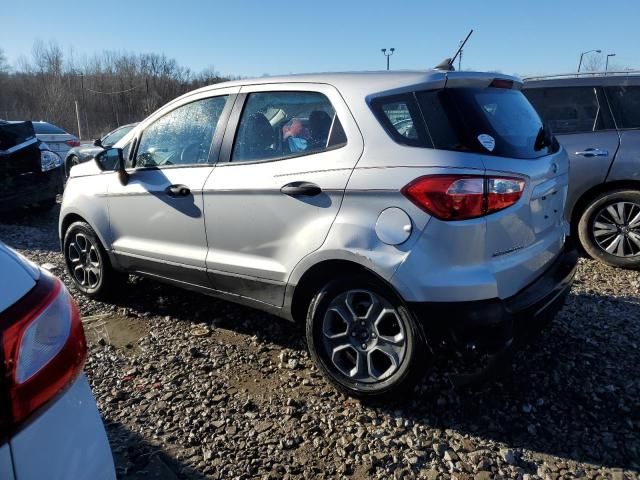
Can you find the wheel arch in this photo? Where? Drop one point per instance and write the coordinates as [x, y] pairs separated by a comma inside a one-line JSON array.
[[299, 296], [73, 217], [587, 197]]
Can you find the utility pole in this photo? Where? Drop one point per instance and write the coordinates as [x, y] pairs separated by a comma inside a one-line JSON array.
[[78, 119], [460, 57]]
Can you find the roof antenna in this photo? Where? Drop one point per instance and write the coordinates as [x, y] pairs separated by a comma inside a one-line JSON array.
[[447, 63]]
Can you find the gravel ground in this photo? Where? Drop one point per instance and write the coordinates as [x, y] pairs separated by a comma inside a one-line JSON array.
[[193, 387]]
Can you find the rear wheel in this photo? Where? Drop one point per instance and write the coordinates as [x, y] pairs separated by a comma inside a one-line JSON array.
[[609, 228], [88, 263], [364, 339]]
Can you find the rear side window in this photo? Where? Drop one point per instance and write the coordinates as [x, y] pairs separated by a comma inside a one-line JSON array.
[[278, 125], [491, 121], [400, 116], [47, 129], [625, 103], [568, 110]]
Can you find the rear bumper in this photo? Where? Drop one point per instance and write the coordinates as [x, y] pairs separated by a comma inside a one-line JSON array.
[[67, 440], [492, 326], [30, 188]]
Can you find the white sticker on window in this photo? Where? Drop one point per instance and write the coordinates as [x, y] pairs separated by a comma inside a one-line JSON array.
[[487, 141]]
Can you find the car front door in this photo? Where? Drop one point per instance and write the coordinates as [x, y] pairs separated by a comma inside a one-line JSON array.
[[157, 218], [275, 197], [580, 118]]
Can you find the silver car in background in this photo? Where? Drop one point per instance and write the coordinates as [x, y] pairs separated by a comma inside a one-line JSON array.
[[393, 213], [597, 119]]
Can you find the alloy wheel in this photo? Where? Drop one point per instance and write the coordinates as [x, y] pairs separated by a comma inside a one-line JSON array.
[[616, 229], [84, 261], [364, 337]]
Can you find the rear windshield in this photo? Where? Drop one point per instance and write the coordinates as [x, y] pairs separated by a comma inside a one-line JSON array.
[[492, 121], [47, 129]]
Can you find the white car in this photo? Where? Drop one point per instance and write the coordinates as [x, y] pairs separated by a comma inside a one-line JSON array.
[[50, 426]]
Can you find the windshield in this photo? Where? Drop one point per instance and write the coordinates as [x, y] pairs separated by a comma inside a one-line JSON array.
[[47, 129], [114, 137], [493, 121]]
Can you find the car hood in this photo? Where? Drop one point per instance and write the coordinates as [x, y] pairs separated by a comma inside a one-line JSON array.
[[84, 169]]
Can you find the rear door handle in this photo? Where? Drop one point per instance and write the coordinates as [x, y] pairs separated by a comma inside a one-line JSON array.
[[593, 152], [296, 189], [177, 190]]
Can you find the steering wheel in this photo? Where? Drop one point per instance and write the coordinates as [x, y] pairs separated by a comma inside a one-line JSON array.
[[191, 153]]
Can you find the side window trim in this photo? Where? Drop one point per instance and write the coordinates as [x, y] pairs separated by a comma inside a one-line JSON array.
[[216, 141]]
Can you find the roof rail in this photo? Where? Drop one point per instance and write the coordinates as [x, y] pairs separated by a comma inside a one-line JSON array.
[[584, 75]]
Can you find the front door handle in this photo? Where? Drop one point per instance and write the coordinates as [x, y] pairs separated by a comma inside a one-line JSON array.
[[306, 189], [593, 152], [177, 190]]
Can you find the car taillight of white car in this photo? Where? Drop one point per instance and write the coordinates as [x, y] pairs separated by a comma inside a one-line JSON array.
[[44, 350]]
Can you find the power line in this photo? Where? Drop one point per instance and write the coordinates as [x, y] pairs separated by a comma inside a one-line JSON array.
[[115, 93]]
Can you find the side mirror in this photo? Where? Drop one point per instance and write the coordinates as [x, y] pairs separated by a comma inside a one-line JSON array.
[[112, 160], [97, 142]]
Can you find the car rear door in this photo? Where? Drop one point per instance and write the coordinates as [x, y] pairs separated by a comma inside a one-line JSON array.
[[625, 104], [157, 218], [580, 118], [278, 187]]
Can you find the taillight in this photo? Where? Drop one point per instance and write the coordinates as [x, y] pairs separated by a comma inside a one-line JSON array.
[[43, 348], [73, 143], [460, 197]]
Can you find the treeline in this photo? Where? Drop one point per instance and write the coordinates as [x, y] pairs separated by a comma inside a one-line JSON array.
[[111, 88]]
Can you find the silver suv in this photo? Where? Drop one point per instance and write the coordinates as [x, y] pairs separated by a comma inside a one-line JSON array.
[[597, 119], [394, 213]]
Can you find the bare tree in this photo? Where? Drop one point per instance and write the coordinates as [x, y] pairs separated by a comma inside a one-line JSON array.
[[592, 62], [112, 88]]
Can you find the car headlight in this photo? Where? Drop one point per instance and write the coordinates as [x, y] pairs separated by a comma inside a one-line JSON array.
[[49, 160]]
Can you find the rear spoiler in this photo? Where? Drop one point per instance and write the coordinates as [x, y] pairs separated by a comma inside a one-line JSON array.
[[481, 80]]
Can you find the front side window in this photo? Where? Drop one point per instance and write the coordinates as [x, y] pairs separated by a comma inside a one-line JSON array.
[[568, 110], [625, 102], [182, 136], [277, 125]]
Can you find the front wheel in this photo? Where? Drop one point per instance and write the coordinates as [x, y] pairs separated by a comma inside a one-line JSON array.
[[609, 228], [88, 263], [364, 340]]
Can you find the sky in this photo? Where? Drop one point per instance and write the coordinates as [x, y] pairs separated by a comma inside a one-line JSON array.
[[253, 38]]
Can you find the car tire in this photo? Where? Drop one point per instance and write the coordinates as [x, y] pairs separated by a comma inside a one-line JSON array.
[[88, 263], [71, 162], [608, 228], [355, 353]]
